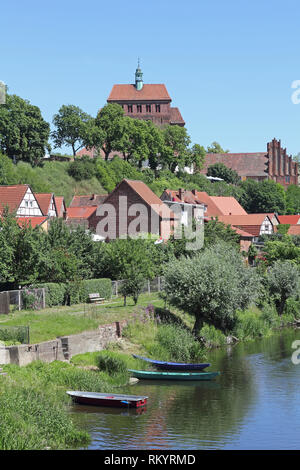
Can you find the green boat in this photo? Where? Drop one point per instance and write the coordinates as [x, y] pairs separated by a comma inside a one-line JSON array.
[[158, 375]]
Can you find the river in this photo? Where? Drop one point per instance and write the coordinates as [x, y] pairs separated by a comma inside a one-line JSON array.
[[253, 404]]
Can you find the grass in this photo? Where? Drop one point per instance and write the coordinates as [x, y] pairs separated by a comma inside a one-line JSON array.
[[52, 322]]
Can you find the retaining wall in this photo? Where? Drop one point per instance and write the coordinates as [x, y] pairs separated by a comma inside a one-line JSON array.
[[62, 348]]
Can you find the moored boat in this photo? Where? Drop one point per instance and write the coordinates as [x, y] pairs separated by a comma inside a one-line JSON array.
[[164, 365], [107, 399], [163, 375]]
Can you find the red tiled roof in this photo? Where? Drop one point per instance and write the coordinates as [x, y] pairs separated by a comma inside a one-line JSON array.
[[44, 200], [245, 164], [33, 221], [228, 205], [176, 116], [250, 223], [242, 233], [288, 219], [294, 230], [149, 92], [90, 200], [12, 196], [60, 205], [80, 212]]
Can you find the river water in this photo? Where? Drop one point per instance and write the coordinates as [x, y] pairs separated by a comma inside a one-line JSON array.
[[253, 404]]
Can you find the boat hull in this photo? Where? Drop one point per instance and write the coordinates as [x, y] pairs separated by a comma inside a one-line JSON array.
[[173, 366], [153, 375], [104, 399]]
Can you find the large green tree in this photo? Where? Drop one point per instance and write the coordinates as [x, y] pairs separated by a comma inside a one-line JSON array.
[[108, 134], [263, 196], [73, 127], [24, 133], [220, 170]]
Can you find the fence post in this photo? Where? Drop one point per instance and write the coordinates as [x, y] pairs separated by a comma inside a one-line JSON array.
[[149, 288], [19, 299], [158, 283], [44, 297]]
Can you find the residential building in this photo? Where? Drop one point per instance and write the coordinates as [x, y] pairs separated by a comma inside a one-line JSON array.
[[273, 164], [88, 200], [19, 199], [131, 209], [289, 219], [255, 224], [60, 206], [47, 204]]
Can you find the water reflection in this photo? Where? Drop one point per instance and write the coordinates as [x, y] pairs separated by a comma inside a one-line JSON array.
[[252, 404]]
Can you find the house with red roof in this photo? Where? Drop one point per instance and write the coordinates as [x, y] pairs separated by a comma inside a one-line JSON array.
[[82, 216], [60, 206], [294, 230], [132, 209], [47, 204], [254, 224], [20, 200]]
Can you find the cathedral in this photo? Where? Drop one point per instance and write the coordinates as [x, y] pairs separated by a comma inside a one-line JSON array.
[[146, 101]]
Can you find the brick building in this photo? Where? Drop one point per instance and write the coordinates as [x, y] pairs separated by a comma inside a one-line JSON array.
[[132, 208], [146, 101], [273, 164]]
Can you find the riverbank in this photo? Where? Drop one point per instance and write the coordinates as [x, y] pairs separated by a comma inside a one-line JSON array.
[[33, 398]]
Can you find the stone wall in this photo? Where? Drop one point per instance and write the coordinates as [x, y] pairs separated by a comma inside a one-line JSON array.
[[62, 348]]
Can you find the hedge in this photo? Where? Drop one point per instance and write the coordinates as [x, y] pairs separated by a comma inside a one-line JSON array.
[[103, 287], [74, 292]]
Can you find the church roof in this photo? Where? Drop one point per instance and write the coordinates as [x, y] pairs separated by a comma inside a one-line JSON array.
[[149, 92]]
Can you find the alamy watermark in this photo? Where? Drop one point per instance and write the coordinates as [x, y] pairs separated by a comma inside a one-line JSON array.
[[125, 220], [296, 354], [2, 93]]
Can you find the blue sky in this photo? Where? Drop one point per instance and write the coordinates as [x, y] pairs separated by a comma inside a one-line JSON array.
[[228, 65]]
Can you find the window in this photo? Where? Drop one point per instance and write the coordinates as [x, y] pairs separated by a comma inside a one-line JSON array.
[[157, 108], [148, 108], [287, 179], [139, 108], [130, 108]]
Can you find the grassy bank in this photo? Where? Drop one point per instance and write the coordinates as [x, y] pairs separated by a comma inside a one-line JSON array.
[[52, 322]]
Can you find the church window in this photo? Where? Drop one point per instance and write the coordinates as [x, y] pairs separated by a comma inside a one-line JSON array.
[[148, 108], [130, 108], [157, 108], [139, 108]]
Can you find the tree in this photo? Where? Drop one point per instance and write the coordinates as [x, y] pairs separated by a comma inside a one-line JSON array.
[[110, 125], [175, 152], [220, 170], [23, 132], [73, 128], [211, 286], [262, 197], [134, 142], [293, 199], [215, 231], [283, 281], [216, 148]]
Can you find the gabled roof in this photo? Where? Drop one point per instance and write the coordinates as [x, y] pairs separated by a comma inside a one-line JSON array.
[[80, 212], [176, 116], [12, 196], [89, 200], [149, 92], [288, 219], [44, 201], [228, 205], [31, 221], [250, 223], [147, 196], [60, 205]]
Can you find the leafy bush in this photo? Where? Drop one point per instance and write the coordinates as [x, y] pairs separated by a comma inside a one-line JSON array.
[[55, 293], [211, 336], [111, 363], [178, 344], [250, 324], [82, 168]]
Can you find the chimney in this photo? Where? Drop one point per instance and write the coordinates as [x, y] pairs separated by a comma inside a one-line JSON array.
[[181, 194]]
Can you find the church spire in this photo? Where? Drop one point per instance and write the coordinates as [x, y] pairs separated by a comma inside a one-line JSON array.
[[139, 77]]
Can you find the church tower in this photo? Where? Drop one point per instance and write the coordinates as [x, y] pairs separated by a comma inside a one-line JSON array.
[[139, 77]]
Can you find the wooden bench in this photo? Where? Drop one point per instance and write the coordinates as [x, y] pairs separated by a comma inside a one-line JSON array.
[[95, 298]]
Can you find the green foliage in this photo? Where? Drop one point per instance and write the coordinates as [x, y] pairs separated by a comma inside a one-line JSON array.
[[293, 199], [82, 168], [283, 249], [215, 147], [72, 127], [283, 282], [211, 336], [111, 363], [101, 286], [250, 324], [216, 231], [263, 197], [211, 286], [219, 170], [23, 132], [55, 293]]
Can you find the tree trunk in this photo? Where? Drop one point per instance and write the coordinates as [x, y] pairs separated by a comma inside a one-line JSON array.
[[197, 326]]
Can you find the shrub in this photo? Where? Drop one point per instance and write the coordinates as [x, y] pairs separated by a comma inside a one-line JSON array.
[[111, 363], [178, 343], [211, 336], [55, 293], [250, 324]]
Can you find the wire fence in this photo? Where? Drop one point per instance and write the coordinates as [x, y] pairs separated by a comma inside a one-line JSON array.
[[29, 298], [19, 334], [150, 286]]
